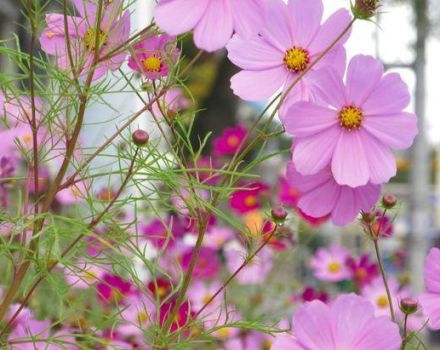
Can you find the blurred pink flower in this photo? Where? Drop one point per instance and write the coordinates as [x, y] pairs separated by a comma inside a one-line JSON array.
[[217, 237], [154, 56], [430, 300], [291, 40], [229, 141], [161, 231], [310, 294], [208, 264], [355, 134], [73, 194], [249, 198], [171, 103], [200, 292], [321, 195], [182, 318], [114, 31], [362, 271], [137, 314], [329, 264], [348, 323], [113, 288], [83, 274], [213, 21]]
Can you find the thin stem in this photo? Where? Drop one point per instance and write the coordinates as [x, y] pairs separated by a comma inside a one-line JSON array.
[[384, 278], [405, 331]]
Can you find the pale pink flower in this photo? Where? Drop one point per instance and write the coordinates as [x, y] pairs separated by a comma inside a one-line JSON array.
[[321, 195], [291, 40], [356, 132], [430, 300], [213, 21], [137, 314], [200, 292], [172, 103], [329, 264], [73, 194], [348, 323]]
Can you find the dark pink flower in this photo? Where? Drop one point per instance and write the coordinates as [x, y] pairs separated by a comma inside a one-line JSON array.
[[154, 57], [229, 141], [363, 271], [208, 264], [113, 288], [161, 231], [183, 315], [310, 294], [249, 198]]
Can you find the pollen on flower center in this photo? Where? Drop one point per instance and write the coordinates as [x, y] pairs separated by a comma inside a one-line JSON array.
[[250, 201], [382, 301], [152, 64], [334, 267], [350, 117], [90, 38], [233, 141], [297, 59]]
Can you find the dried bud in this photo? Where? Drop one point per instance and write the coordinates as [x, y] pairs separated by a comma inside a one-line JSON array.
[[408, 306], [389, 201], [140, 138], [365, 9], [279, 214]]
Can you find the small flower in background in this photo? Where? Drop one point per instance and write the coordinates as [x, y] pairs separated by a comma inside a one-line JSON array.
[[347, 323], [201, 292], [229, 141], [255, 271], [249, 198], [321, 195], [356, 133], [291, 40], [363, 272], [160, 288], [113, 289], [171, 103], [309, 294], [161, 231], [73, 194], [137, 313], [383, 225], [114, 31], [182, 318], [208, 264], [213, 21], [330, 264], [154, 57], [430, 300], [217, 237], [83, 275]]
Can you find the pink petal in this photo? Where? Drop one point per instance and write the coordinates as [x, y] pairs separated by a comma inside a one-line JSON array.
[[249, 16], [349, 163], [363, 75], [169, 15], [321, 200], [307, 16], [306, 183], [306, 119], [329, 87], [394, 130], [432, 271], [345, 210], [330, 30], [310, 318], [378, 334], [215, 27], [285, 342], [313, 154], [258, 85], [367, 196], [254, 54], [278, 28], [431, 307], [381, 161], [390, 96], [336, 60]]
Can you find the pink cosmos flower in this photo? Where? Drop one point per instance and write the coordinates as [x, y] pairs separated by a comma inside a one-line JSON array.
[[83, 275], [182, 318], [160, 288], [253, 273], [249, 199], [363, 271], [229, 141], [161, 231], [154, 56], [430, 300], [289, 42], [321, 195], [310, 294], [329, 264], [201, 292], [74, 194], [217, 237], [365, 118], [171, 103], [208, 264], [136, 313], [348, 323], [213, 21], [114, 31], [113, 288]]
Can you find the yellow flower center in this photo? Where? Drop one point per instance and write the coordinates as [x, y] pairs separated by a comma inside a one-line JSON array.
[[75, 192], [250, 201], [267, 344], [207, 298], [382, 301], [361, 273], [90, 39], [334, 267], [27, 139], [233, 141], [351, 117], [152, 64], [143, 316], [90, 276], [224, 332], [297, 59]]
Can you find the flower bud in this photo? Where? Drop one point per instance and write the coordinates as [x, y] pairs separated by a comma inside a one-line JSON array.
[[368, 218], [389, 201], [140, 138], [279, 214], [365, 9], [408, 306]]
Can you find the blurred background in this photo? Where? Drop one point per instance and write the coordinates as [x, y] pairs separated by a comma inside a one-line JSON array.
[[405, 36]]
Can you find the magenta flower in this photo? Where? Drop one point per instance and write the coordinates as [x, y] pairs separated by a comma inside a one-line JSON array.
[[114, 31], [154, 56], [161, 231], [289, 42], [430, 300], [208, 264], [362, 271], [229, 141], [182, 318], [321, 195], [310, 294], [329, 264], [213, 21], [113, 288], [348, 323], [354, 134], [248, 199]]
